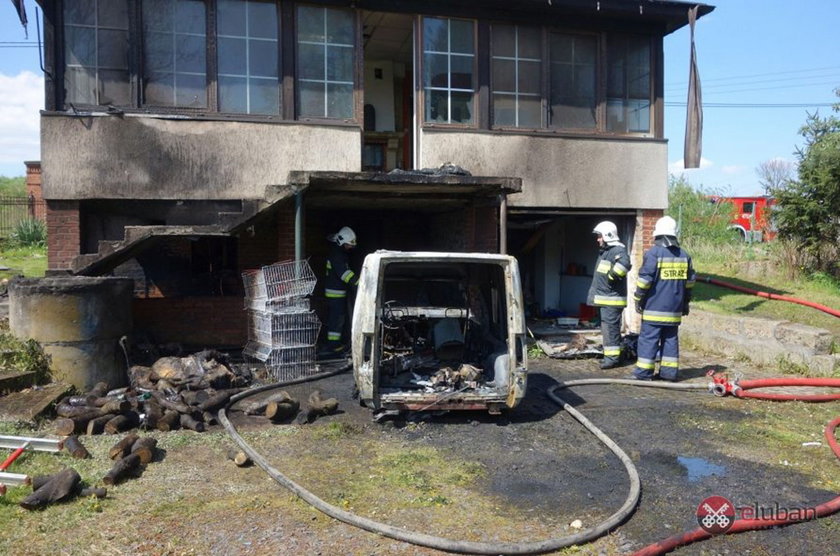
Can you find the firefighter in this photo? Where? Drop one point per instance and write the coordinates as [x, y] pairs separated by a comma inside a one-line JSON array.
[[339, 278], [608, 291], [663, 292]]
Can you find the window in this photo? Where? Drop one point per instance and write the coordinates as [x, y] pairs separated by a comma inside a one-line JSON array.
[[748, 208], [517, 68], [448, 70], [325, 69], [96, 52], [573, 91], [628, 84], [248, 64], [175, 53]]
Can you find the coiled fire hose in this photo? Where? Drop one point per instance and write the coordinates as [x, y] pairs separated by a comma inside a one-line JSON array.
[[720, 386], [768, 295]]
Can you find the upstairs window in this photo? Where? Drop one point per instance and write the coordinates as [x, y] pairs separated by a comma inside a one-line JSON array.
[[325, 69], [628, 84], [175, 53], [573, 91], [96, 52], [248, 64], [448, 70], [517, 71]]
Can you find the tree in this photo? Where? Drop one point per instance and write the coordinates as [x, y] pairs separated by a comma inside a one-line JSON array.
[[699, 217], [774, 173], [808, 210]]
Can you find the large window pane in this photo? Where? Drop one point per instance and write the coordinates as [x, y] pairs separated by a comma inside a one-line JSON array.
[[96, 52], [573, 81], [517, 76], [628, 84], [248, 57], [325, 62], [174, 53], [448, 70]]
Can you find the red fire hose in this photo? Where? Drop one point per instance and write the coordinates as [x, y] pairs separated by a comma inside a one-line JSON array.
[[723, 386], [768, 295]]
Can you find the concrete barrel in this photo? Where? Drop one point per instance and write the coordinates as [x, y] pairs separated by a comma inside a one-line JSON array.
[[79, 321]]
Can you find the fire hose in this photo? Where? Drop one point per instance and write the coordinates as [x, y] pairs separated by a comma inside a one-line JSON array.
[[720, 386], [768, 295]]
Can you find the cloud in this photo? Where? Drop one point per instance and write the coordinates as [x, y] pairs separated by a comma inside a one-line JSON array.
[[733, 169], [678, 166], [21, 99]]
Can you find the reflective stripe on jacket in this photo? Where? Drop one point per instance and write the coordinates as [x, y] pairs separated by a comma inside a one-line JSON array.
[[665, 279], [339, 275], [609, 282]]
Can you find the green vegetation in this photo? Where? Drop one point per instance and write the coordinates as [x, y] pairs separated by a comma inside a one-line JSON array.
[[696, 215], [29, 233], [807, 208], [29, 261], [15, 186], [19, 355]]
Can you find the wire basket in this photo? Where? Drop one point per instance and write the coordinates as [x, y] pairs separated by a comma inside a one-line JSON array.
[[289, 279], [291, 363], [283, 329]]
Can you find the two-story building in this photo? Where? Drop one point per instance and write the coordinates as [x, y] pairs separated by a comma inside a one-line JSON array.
[[184, 141]]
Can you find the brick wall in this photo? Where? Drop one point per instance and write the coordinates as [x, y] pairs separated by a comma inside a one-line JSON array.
[[193, 321], [63, 241], [33, 190]]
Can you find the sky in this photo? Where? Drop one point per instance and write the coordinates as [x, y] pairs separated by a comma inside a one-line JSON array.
[[750, 53]]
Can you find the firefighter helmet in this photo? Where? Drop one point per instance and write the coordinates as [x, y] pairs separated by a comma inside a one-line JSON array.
[[665, 226], [346, 236], [606, 230]]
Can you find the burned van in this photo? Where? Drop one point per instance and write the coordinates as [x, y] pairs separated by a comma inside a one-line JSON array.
[[439, 331]]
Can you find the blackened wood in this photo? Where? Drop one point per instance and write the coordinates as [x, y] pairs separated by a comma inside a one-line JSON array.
[[209, 418], [85, 400], [170, 421], [168, 404], [123, 447], [188, 422], [127, 420], [146, 448], [238, 457], [99, 390], [40, 480], [94, 491], [139, 377], [72, 425], [217, 400], [67, 410], [97, 425], [281, 411], [60, 486], [255, 408], [114, 407], [194, 397], [75, 448], [121, 469], [153, 413]]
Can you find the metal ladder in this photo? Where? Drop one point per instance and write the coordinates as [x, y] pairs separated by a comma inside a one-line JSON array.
[[19, 444]]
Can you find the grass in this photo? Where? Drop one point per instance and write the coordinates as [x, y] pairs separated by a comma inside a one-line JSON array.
[[28, 261], [755, 267]]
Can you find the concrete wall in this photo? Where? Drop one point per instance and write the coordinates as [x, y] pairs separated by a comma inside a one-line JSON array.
[[110, 157], [560, 171], [380, 92]]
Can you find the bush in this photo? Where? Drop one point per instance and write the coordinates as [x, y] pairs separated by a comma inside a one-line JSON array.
[[698, 217], [29, 233]]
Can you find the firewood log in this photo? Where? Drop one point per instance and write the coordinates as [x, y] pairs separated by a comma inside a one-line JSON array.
[[188, 422], [140, 377], [40, 480], [73, 425], [123, 422], [121, 469], [145, 448], [75, 448], [99, 390], [81, 401], [60, 486], [99, 492], [153, 413], [238, 457], [255, 408], [281, 411], [170, 421], [194, 397], [217, 400], [123, 447], [114, 407], [70, 411], [209, 418], [97, 426], [317, 407], [168, 404]]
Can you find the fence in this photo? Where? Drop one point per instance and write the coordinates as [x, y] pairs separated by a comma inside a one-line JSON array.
[[13, 209]]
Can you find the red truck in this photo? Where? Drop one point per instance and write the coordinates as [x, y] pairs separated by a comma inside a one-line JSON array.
[[751, 216]]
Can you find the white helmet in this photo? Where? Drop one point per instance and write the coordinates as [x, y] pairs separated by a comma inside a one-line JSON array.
[[665, 226], [346, 236], [607, 230]]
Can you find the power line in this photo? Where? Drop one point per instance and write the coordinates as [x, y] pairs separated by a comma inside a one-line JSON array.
[[756, 105], [786, 72], [706, 85]]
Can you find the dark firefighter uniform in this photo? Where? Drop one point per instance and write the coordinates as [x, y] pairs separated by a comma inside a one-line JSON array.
[[608, 292], [663, 291], [338, 279]]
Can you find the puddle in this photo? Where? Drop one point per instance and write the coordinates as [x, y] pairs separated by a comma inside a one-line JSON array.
[[698, 468]]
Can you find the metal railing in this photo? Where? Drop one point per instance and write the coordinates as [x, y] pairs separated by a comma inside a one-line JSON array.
[[14, 208]]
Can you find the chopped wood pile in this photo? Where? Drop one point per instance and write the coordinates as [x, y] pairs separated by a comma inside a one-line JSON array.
[[175, 392]]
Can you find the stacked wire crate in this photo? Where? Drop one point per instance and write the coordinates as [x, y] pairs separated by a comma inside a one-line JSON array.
[[282, 330]]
